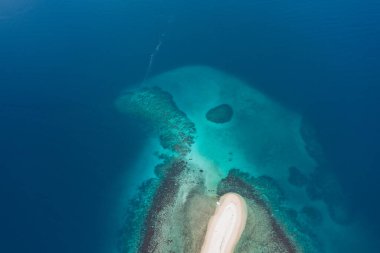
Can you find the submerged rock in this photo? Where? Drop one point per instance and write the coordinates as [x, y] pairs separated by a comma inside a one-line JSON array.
[[220, 114]]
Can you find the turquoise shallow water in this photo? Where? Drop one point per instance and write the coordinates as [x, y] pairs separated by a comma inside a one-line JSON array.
[[64, 147]]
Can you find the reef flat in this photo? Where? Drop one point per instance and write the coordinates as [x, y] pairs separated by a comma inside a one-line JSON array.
[[254, 147]]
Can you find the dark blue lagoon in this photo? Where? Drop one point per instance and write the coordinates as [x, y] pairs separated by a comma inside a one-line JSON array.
[[189, 126]]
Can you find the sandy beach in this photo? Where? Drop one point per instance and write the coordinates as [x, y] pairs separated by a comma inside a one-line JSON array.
[[226, 225]]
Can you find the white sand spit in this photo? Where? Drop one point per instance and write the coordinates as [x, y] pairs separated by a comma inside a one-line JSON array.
[[226, 225]]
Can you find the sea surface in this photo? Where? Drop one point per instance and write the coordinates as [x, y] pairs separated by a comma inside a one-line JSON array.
[[64, 147]]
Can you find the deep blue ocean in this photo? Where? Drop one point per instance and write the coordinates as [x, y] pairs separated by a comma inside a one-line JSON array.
[[63, 145]]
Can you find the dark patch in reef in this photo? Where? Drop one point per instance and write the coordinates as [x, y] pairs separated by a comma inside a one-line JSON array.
[[220, 114]]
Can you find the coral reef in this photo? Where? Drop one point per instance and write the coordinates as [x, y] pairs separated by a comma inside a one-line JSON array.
[[177, 209], [135, 217], [163, 198], [152, 104], [178, 214], [271, 227], [263, 233], [171, 211]]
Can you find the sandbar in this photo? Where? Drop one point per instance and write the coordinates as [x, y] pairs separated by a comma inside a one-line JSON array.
[[226, 225]]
